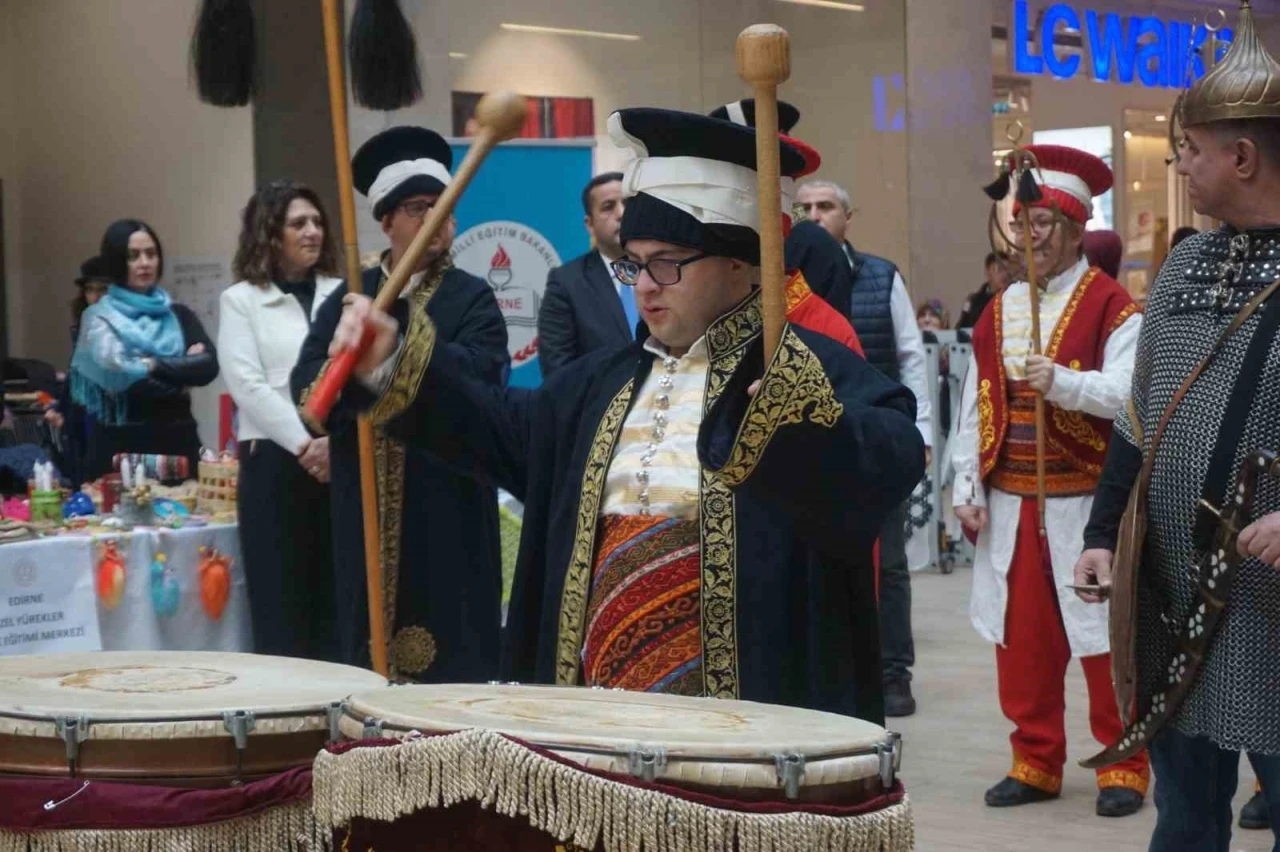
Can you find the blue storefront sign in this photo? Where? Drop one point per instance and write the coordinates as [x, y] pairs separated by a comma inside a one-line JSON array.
[[1125, 48]]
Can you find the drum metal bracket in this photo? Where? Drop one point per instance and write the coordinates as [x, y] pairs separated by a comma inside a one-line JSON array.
[[239, 723], [790, 772], [334, 713], [890, 753], [73, 730], [372, 728], [647, 762]]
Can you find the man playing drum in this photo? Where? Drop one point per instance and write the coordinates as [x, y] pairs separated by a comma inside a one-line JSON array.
[[695, 522], [440, 553]]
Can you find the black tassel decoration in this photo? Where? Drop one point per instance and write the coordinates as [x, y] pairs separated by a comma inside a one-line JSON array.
[[998, 189], [223, 52], [1028, 190], [383, 56]]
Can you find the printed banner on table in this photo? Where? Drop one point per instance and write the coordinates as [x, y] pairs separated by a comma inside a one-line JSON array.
[[520, 218], [47, 599]]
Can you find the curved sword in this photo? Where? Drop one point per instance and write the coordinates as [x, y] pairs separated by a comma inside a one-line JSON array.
[[1216, 574]]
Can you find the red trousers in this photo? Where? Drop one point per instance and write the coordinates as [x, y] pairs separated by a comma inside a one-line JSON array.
[[1032, 667]]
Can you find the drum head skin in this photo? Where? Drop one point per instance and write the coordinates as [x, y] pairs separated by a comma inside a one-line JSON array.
[[704, 741], [121, 686], [569, 716]]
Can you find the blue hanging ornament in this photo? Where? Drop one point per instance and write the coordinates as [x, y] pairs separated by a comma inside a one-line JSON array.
[[164, 587]]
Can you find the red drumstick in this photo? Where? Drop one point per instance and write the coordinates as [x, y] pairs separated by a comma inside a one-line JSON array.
[[500, 116]]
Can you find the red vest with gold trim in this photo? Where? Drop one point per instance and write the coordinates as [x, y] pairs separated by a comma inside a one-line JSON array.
[[1098, 306], [807, 309]]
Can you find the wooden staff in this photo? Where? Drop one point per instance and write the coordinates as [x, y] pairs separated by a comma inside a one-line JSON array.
[[350, 244], [764, 60], [500, 116], [1034, 294]]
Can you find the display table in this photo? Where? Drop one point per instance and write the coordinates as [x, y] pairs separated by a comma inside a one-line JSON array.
[[54, 595]]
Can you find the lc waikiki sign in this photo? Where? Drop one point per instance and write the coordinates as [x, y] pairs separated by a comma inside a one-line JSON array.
[[1157, 53]]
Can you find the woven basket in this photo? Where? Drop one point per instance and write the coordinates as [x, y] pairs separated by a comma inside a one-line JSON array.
[[217, 487]]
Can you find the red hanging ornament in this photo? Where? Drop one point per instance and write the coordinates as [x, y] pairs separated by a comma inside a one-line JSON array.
[[215, 582], [110, 579]]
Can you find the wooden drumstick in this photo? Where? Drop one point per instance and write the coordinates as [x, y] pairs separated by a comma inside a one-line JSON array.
[[364, 430], [764, 60], [500, 115]]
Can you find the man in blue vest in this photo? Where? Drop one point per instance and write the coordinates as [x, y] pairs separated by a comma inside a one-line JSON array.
[[886, 325]]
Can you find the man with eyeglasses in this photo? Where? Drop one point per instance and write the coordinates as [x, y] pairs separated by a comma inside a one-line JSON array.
[[1089, 332], [695, 522], [440, 550]]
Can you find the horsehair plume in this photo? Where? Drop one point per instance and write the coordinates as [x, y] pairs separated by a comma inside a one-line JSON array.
[[224, 52], [998, 188], [383, 56], [1028, 190]]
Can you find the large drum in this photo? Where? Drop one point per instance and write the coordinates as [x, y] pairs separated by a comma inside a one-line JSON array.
[[175, 718], [492, 766]]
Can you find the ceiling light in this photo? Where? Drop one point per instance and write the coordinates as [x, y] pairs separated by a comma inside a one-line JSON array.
[[530, 28], [1162, 118], [1137, 186], [1128, 134], [828, 4], [454, 55]]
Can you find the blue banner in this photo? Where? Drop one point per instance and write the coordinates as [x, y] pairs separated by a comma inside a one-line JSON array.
[[520, 218]]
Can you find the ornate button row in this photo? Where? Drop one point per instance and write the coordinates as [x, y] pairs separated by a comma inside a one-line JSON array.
[[662, 404]]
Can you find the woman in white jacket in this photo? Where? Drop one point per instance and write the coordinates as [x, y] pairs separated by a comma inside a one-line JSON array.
[[286, 258]]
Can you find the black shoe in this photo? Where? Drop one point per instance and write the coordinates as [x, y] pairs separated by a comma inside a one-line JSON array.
[[1118, 802], [1011, 792], [1254, 813], [897, 698]]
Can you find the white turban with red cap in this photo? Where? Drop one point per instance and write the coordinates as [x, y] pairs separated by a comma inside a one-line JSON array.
[[1069, 179]]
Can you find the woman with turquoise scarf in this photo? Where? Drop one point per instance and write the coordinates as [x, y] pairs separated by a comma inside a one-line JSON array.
[[137, 355]]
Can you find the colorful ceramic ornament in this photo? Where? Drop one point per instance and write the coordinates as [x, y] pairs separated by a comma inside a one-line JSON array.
[[79, 505], [164, 587], [215, 582], [110, 579]]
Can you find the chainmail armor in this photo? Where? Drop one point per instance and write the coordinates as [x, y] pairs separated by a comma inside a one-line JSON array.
[[1204, 282]]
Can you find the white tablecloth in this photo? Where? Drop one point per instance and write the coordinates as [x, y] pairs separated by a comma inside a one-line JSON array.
[[60, 573]]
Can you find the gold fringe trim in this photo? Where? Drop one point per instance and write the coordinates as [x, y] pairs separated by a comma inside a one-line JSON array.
[[383, 783], [290, 828]]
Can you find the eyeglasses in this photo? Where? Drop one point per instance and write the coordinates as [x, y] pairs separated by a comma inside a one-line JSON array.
[[663, 272], [417, 209]]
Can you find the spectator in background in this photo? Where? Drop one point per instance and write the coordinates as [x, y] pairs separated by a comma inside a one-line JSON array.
[[137, 354], [584, 306], [1180, 235], [997, 272], [92, 283], [1105, 250], [286, 261], [931, 316]]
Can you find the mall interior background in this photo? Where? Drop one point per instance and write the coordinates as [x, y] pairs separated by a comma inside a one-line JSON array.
[[906, 99]]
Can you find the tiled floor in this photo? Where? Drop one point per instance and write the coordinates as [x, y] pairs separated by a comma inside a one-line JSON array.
[[957, 746]]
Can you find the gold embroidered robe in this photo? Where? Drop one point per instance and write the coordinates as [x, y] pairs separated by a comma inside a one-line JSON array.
[[794, 485]]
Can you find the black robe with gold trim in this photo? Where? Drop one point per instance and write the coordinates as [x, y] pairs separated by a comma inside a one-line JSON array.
[[795, 484], [441, 555]]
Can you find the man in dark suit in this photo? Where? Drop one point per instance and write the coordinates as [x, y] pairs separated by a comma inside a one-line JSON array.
[[584, 307]]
